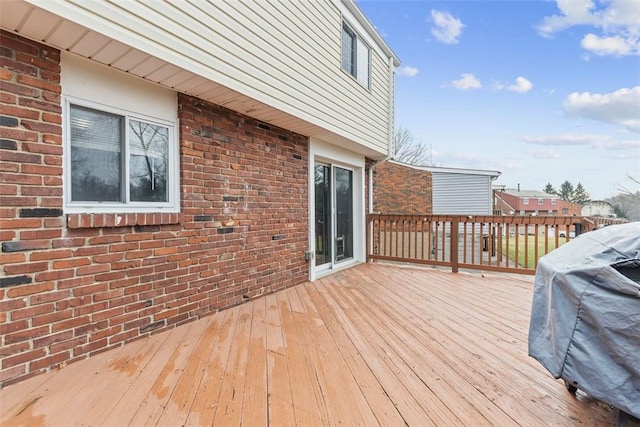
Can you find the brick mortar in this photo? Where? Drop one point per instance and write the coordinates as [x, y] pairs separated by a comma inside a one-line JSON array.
[[76, 285], [402, 190]]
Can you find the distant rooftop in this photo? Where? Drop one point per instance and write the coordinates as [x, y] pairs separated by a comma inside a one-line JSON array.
[[440, 169], [528, 193]]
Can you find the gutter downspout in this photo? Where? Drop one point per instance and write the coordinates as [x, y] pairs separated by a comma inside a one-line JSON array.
[[391, 146], [492, 193]]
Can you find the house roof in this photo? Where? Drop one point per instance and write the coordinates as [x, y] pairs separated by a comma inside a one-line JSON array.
[[529, 193], [439, 169], [373, 32]]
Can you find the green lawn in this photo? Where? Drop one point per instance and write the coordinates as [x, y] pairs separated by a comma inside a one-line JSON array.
[[530, 256]]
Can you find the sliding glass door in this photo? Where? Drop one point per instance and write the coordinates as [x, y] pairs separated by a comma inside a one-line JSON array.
[[334, 215], [323, 214], [344, 214]]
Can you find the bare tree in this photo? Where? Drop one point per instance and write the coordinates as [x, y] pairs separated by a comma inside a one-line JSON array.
[[410, 151], [627, 191], [627, 202]]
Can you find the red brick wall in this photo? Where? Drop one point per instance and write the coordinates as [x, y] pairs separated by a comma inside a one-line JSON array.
[[508, 202], [505, 203], [72, 286], [401, 189], [573, 209]]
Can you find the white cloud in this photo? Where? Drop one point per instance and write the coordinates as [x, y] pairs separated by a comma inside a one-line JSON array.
[[446, 28], [522, 85], [617, 20], [621, 107], [408, 71], [567, 139], [618, 145], [467, 156], [616, 45], [547, 153], [573, 12], [467, 82]]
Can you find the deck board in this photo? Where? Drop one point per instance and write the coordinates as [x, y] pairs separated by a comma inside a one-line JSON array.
[[231, 397], [279, 400], [409, 361], [382, 407], [376, 344], [205, 402]]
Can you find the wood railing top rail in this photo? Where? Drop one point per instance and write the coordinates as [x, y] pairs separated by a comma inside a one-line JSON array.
[[532, 220], [487, 242]]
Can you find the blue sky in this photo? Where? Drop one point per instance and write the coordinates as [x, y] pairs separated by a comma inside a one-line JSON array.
[[542, 91]]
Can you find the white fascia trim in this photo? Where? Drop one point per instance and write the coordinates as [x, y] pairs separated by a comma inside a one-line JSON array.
[[129, 37], [350, 9], [331, 154], [438, 169]]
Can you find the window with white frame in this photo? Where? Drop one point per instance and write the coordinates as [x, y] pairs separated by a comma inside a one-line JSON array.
[[525, 200], [540, 201], [118, 161], [356, 56], [553, 201]]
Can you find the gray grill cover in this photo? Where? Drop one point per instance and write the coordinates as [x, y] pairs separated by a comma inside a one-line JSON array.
[[585, 317]]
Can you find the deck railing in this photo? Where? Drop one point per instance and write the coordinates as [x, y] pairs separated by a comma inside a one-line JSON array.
[[498, 243]]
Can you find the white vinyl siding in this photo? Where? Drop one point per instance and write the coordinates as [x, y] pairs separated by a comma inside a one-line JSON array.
[[283, 54], [461, 194]]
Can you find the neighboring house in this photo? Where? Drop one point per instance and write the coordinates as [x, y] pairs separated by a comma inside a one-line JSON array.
[[400, 188], [598, 208], [569, 208], [407, 189], [532, 202], [164, 160]]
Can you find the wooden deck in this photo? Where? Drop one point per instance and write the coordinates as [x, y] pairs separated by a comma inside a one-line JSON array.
[[376, 344]]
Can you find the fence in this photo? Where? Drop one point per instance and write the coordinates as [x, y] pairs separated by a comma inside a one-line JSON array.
[[498, 243]]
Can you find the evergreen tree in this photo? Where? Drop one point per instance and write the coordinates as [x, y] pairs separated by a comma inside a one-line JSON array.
[[566, 191], [580, 195], [620, 211], [549, 189]]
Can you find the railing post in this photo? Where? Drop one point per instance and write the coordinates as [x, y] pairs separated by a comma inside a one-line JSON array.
[[369, 243], [578, 228], [453, 245]]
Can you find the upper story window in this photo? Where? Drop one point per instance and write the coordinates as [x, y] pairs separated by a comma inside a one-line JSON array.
[[525, 200], [553, 201], [356, 56], [118, 161], [540, 200]]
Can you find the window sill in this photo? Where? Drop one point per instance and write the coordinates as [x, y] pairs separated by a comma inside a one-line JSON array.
[[111, 220]]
